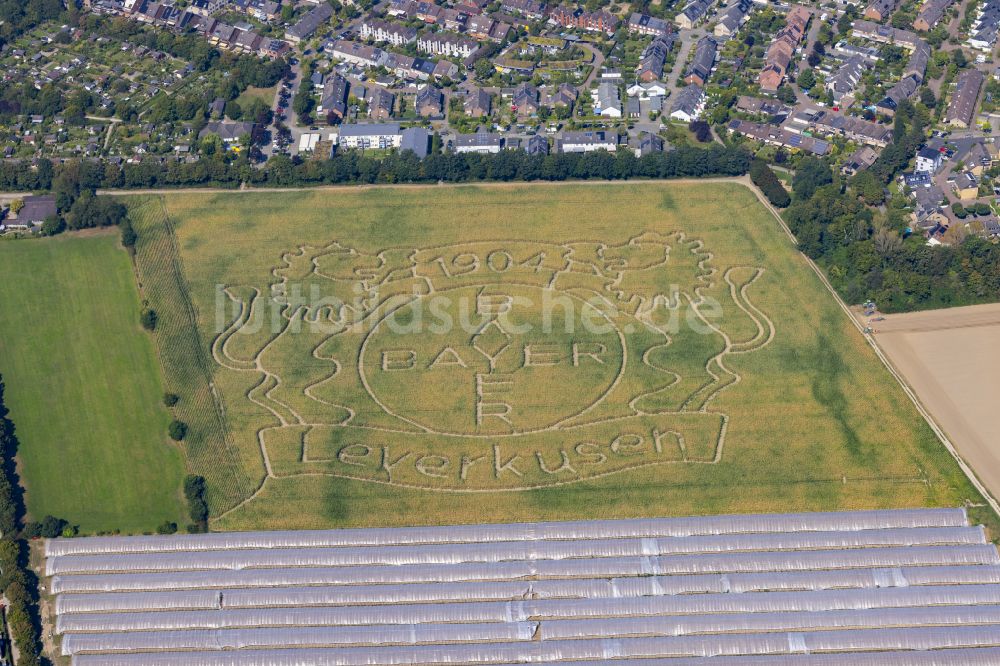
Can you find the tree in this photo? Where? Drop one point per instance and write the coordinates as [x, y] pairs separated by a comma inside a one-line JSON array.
[[484, 69], [806, 79], [811, 174], [16, 205], [764, 178], [869, 188], [927, 97], [958, 57], [177, 430], [53, 225], [170, 399], [959, 210], [148, 319], [701, 130]]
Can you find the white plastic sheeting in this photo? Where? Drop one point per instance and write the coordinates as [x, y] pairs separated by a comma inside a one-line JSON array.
[[489, 575], [926, 638], [513, 550], [945, 657], [919, 588], [493, 591], [592, 529], [517, 611], [412, 634], [680, 625], [491, 553]]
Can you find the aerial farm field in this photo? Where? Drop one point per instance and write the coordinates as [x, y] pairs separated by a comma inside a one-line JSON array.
[[84, 388], [406, 355]]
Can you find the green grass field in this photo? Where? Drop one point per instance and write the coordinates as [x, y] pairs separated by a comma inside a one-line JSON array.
[[723, 377], [83, 386]]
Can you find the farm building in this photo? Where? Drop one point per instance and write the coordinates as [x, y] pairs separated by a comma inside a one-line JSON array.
[[914, 587]]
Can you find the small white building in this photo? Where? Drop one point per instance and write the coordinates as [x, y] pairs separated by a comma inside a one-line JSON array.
[[370, 135]]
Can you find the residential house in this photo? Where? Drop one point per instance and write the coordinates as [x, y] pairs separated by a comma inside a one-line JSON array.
[[703, 61], [644, 24], [564, 94], [688, 103], [693, 13], [977, 160], [310, 23], [415, 139], [262, 10], [607, 100], [646, 143], [477, 103], [381, 103], [963, 101], [782, 49], [779, 136], [230, 132], [599, 21], [447, 45], [966, 186], [843, 82], [761, 105], [429, 101], [524, 100], [385, 32], [884, 34], [879, 10], [928, 210], [930, 13], [647, 90], [928, 160], [537, 145], [587, 141], [34, 211], [855, 129], [370, 135], [859, 160], [333, 100], [529, 8], [652, 59], [904, 89], [733, 18], [479, 142]]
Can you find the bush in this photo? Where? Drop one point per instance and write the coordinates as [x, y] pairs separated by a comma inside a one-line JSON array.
[[53, 225], [148, 319], [167, 528], [129, 237], [959, 210], [170, 399], [194, 491], [764, 178], [50, 528], [177, 430]]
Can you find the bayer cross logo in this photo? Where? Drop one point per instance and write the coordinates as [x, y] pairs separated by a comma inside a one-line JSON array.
[[497, 375], [491, 365]]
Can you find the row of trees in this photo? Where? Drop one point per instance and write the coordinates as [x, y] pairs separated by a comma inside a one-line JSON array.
[[764, 178], [74, 179], [17, 581]]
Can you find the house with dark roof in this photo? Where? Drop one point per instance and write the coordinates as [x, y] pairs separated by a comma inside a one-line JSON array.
[[428, 102], [34, 211], [334, 97], [230, 132], [962, 106], [688, 103], [644, 24], [693, 13], [879, 10], [310, 23], [703, 61], [477, 103], [930, 13]]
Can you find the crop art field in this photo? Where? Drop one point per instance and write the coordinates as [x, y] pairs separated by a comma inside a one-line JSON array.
[[397, 356]]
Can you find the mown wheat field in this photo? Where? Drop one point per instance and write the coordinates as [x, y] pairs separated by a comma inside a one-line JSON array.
[[407, 355]]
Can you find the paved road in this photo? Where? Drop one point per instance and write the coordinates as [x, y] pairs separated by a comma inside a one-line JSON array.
[[688, 39]]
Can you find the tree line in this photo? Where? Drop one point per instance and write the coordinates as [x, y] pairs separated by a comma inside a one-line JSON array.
[[72, 180], [17, 580]]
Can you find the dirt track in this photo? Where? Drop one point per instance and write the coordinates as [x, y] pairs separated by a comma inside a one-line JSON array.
[[951, 358]]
